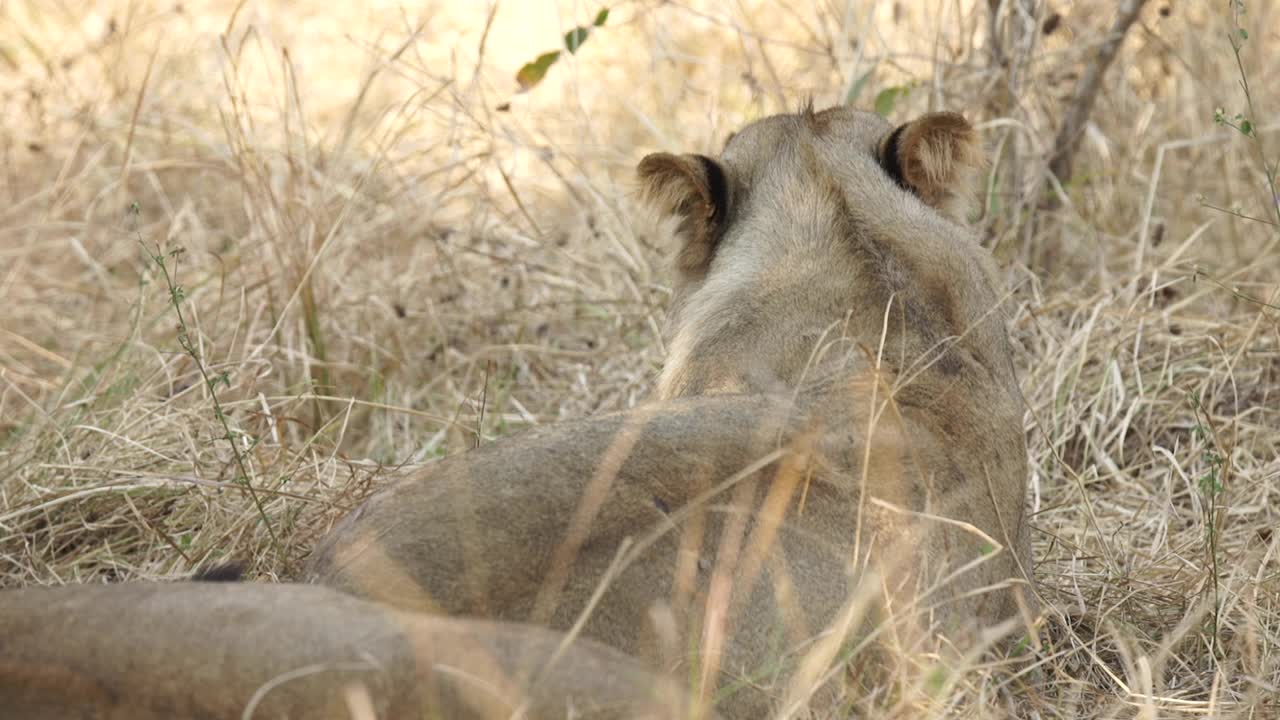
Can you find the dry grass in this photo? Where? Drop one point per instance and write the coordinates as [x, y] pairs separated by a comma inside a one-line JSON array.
[[387, 267]]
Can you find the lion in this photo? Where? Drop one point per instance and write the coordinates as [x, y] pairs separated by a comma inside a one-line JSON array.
[[249, 650], [833, 458]]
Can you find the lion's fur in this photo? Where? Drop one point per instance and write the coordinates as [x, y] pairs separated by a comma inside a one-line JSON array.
[[201, 650], [831, 317]]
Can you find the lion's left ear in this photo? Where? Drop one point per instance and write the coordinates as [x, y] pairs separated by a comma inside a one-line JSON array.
[[939, 158], [695, 189]]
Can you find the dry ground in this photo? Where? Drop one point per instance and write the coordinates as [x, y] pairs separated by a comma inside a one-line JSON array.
[[388, 255]]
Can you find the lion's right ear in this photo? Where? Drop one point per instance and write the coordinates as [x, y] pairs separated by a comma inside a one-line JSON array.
[[695, 189]]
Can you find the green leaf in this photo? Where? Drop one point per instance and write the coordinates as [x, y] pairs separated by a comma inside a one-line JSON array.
[[856, 88], [1246, 127], [888, 98], [575, 37], [937, 679], [532, 73], [1021, 646], [1244, 34]]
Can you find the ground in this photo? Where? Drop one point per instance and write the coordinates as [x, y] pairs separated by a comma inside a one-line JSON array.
[[303, 246]]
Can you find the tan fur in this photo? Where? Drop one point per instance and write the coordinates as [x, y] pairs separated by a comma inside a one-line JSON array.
[[210, 650], [831, 324], [941, 155], [679, 185]]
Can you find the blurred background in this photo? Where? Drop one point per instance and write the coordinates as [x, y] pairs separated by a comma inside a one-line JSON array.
[[303, 245]]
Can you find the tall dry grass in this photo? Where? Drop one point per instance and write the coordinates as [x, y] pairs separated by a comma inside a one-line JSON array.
[[388, 256]]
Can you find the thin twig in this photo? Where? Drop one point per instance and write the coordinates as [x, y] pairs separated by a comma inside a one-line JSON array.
[[1237, 44]]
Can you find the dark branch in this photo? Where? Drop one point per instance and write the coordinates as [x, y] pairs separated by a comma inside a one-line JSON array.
[[1073, 122]]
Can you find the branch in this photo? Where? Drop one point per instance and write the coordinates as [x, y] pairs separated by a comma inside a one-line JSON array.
[[1068, 140]]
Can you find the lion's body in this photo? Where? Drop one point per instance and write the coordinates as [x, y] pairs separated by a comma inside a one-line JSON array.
[[830, 319], [140, 651]]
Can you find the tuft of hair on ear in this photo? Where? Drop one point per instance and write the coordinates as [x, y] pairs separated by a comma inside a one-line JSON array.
[[224, 572], [939, 157], [694, 189]]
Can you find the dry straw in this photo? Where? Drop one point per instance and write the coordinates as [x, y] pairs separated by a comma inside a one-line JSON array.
[[390, 256]]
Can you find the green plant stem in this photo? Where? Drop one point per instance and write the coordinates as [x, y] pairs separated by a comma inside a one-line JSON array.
[[1267, 170], [184, 340], [1212, 486]]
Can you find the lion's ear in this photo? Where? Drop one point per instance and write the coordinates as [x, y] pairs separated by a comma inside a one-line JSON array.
[[695, 189], [938, 157]]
